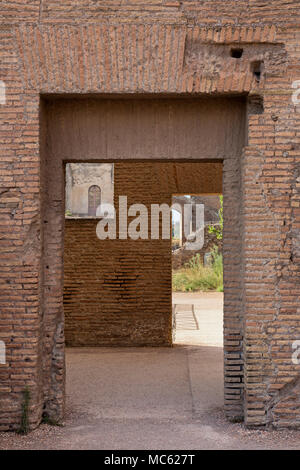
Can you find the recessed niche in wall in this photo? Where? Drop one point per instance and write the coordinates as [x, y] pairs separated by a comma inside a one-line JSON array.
[[236, 52], [89, 189], [256, 68]]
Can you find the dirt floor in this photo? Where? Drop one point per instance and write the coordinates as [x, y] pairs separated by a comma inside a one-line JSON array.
[[153, 398]]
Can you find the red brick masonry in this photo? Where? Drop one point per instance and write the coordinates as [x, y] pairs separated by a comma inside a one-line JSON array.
[[156, 49]]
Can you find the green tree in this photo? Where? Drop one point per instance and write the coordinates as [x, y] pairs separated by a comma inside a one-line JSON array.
[[218, 230]]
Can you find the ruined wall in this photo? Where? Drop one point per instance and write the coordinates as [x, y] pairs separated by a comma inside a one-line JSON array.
[[80, 47], [182, 256], [204, 12], [118, 292]]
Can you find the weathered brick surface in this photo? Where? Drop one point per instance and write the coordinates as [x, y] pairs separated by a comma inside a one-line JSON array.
[[159, 47]]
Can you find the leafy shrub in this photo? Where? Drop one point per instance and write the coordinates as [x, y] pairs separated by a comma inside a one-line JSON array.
[[196, 277], [217, 230]]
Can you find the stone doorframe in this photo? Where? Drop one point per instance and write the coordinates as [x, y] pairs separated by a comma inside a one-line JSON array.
[[64, 123]]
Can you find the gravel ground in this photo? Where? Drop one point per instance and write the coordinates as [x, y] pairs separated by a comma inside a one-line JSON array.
[[214, 428], [141, 398]]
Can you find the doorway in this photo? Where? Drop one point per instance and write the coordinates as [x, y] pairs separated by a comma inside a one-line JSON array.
[[197, 269], [174, 136]]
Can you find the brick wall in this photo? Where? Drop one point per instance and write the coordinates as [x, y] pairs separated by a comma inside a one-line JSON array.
[[163, 47]]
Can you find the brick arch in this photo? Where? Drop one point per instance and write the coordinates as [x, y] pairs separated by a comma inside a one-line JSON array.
[[178, 59]]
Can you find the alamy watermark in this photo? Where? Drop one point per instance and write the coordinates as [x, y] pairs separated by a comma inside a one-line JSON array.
[[2, 353], [192, 219], [2, 93], [296, 353], [296, 92], [2, 102], [296, 102]]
